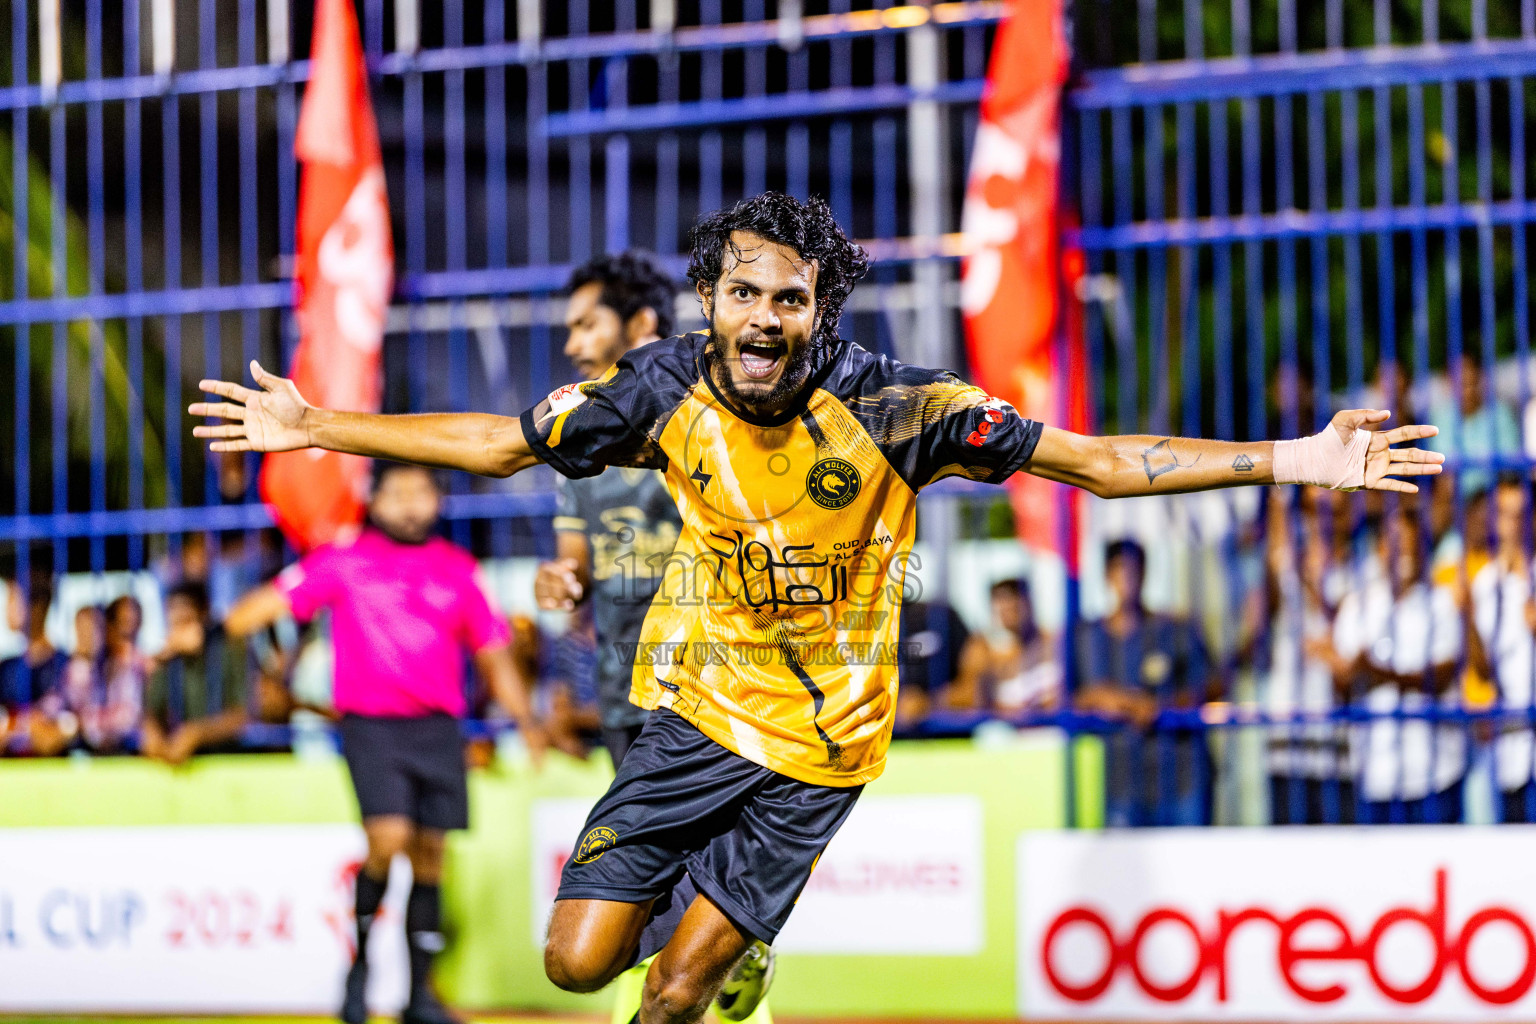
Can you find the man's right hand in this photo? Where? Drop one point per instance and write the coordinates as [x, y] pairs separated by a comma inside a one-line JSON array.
[[269, 420], [556, 586], [277, 419]]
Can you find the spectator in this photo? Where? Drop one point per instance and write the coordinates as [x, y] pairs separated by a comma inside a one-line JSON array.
[[561, 673], [1402, 637], [933, 637], [62, 711], [15, 606], [37, 670], [1459, 555], [187, 564], [1011, 668], [196, 695], [15, 622], [221, 562], [1501, 609], [124, 671], [1476, 431], [1309, 765], [90, 638], [1134, 664], [1025, 674]]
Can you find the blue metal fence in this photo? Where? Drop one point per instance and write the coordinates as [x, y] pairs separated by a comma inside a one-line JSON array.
[[152, 189], [1290, 209], [1286, 209], [1336, 186]]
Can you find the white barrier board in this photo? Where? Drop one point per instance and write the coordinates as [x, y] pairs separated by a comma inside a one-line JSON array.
[[205, 919]]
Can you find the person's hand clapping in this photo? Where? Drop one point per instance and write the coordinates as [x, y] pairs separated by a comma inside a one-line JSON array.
[[556, 586]]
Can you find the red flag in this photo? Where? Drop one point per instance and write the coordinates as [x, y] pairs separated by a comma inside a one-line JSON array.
[[344, 277], [1013, 278]]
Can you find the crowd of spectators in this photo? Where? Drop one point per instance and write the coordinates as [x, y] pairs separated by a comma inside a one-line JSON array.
[[1388, 643], [1401, 631], [107, 695], [1384, 647]]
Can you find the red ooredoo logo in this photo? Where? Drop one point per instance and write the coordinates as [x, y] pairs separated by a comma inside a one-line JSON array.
[[1123, 953]]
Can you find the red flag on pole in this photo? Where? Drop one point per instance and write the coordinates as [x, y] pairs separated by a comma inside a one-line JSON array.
[[1014, 277], [345, 273]]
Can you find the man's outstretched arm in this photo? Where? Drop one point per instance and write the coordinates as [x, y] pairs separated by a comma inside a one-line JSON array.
[[1347, 455], [276, 418]]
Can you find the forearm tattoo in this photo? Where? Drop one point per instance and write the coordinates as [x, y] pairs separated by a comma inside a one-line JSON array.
[[1160, 459]]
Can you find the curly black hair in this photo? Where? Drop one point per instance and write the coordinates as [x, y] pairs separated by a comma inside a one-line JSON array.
[[632, 281], [808, 228]]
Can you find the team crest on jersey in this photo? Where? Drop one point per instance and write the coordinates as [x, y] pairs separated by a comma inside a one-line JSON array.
[[595, 843], [833, 483]]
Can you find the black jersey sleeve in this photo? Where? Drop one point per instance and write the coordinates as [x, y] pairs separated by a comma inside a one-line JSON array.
[[976, 436], [930, 424], [581, 429]]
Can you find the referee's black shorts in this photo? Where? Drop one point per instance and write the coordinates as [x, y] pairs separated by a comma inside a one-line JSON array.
[[408, 766]]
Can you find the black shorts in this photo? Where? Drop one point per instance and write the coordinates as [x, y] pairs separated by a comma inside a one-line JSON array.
[[619, 740], [747, 837], [408, 766]]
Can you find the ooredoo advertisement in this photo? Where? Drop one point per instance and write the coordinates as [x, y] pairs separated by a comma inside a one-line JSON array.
[[1321, 924]]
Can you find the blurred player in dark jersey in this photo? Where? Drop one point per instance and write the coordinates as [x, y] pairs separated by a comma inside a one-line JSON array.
[[795, 458], [614, 530]]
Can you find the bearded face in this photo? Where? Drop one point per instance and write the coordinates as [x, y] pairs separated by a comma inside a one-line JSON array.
[[762, 318]]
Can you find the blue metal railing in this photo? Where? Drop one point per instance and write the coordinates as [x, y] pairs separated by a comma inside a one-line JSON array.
[[167, 179], [1269, 218], [1283, 203], [153, 196]]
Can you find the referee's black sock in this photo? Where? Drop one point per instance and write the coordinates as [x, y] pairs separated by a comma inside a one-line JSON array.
[[370, 893], [423, 931]]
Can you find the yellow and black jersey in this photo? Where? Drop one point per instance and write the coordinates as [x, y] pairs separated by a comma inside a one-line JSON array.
[[775, 628]]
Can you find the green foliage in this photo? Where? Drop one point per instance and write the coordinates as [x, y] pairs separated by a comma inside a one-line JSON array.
[[111, 340]]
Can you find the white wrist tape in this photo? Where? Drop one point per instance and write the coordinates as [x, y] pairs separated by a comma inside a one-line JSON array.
[[1323, 460]]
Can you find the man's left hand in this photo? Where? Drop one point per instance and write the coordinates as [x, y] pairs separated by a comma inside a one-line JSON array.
[[1383, 463]]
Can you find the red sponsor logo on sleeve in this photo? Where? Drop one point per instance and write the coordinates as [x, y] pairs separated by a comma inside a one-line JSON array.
[[991, 412], [563, 399]]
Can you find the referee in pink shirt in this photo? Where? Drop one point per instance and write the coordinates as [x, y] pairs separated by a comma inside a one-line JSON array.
[[406, 608]]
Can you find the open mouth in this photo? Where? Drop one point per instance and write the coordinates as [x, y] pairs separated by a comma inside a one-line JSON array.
[[759, 359]]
